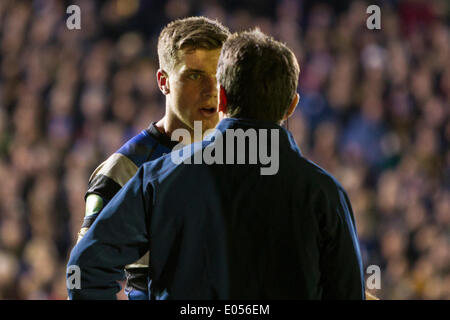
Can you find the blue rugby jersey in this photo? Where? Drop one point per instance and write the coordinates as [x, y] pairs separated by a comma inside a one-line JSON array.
[[110, 176]]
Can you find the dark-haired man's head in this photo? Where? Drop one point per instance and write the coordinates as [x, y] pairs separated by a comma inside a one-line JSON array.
[[258, 77], [188, 51]]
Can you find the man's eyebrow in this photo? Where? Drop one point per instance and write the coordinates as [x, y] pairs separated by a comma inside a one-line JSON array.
[[193, 70]]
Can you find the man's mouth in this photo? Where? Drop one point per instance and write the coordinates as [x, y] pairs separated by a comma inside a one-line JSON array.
[[208, 112]]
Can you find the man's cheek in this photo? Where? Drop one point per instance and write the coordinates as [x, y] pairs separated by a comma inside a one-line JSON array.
[[188, 90]]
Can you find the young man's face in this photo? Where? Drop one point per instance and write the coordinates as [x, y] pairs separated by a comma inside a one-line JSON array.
[[193, 90]]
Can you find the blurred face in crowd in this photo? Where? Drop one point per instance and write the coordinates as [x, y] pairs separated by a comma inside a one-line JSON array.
[[191, 89]]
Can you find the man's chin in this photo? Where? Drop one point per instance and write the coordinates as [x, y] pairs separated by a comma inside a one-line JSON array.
[[199, 129], [210, 122]]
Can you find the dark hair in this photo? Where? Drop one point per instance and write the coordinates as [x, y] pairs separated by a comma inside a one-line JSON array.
[[259, 75], [190, 33]]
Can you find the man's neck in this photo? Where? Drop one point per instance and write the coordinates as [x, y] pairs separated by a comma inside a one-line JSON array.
[[167, 126], [160, 126]]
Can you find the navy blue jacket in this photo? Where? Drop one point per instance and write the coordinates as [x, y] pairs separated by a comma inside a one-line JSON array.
[[224, 231]]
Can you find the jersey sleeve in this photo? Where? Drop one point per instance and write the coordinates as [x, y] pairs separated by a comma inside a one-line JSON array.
[[119, 236], [110, 176], [104, 183]]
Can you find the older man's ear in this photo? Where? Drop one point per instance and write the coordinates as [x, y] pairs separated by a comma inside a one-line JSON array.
[[292, 107], [222, 100]]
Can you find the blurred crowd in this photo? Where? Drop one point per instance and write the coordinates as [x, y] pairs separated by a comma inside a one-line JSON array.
[[374, 111]]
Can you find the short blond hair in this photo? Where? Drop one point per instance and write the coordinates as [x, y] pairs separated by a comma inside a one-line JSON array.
[[189, 33]]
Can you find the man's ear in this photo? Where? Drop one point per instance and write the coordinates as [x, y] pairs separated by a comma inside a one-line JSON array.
[[292, 106], [222, 100], [163, 81]]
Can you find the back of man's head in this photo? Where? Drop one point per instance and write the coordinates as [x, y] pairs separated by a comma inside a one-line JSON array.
[[189, 33], [259, 75]]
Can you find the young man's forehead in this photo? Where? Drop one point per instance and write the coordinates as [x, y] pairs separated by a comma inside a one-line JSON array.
[[198, 59]]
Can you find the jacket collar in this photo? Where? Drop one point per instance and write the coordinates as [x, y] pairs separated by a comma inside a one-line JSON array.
[[243, 123]]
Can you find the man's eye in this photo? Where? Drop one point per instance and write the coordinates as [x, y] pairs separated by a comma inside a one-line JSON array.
[[194, 76]]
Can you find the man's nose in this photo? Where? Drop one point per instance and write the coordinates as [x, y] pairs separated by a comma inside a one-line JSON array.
[[209, 87]]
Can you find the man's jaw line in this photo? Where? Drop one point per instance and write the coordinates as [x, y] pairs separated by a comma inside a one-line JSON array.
[[168, 125]]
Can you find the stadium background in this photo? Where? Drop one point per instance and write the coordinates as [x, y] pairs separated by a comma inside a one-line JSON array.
[[374, 111]]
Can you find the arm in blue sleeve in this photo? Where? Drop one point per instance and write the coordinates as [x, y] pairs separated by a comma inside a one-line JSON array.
[[341, 263], [119, 236]]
